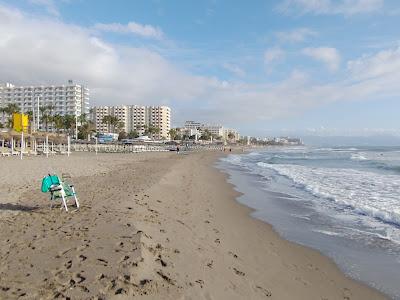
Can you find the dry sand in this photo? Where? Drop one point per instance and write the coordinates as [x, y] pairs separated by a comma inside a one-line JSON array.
[[152, 225]]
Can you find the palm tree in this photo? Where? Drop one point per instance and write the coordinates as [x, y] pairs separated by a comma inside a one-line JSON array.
[[111, 122], [69, 123], [82, 118], [172, 133], [231, 135], [3, 112], [120, 126], [151, 130], [47, 115], [58, 121], [133, 134], [11, 109], [86, 129], [206, 135]]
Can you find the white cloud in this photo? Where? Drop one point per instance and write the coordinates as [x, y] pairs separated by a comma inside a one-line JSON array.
[[296, 35], [42, 51], [234, 69], [382, 64], [49, 51], [273, 54], [320, 7], [143, 30], [327, 55], [49, 6]]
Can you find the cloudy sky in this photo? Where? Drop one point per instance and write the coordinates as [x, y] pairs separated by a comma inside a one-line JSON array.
[[264, 67]]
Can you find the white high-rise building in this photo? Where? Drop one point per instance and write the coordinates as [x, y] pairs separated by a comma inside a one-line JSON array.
[[68, 99], [135, 117], [217, 130], [192, 125]]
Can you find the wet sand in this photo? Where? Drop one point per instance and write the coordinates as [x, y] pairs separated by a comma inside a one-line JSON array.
[[151, 225]]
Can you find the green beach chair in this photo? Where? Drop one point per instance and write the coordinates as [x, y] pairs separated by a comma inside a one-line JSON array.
[[59, 189]]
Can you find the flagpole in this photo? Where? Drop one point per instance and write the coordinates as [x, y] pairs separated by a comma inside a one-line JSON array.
[[38, 116]]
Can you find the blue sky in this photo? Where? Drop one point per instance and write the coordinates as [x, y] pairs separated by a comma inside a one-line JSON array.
[[264, 67]]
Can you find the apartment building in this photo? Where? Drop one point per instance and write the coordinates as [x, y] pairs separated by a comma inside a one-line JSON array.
[[215, 130], [97, 115], [135, 117], [231, 135], [68, 99], [192, 125], [160, 117]]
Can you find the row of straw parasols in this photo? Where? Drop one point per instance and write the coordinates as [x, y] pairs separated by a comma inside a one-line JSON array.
[[53, 137]]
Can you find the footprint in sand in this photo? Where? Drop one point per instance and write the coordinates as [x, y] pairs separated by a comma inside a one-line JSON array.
[[165, 277], [266, 292], [237, 272], [124, 259], [102, 261], [79, 278], [301, 280], [68, 264], [200, 282], [82, 247], [233, 254], [120, 291], [127, 278], [82, 257], [84, 289], [161, 261]]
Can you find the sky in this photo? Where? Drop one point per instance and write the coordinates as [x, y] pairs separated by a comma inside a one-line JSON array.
[[319, 67]]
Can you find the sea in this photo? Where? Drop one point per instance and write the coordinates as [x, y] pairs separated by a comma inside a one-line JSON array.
[[341, 201]]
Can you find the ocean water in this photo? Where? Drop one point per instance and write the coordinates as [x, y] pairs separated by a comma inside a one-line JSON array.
[[342, 201]]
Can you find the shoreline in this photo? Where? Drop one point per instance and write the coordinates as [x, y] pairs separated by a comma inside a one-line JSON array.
[[163, 227], [306, 248]]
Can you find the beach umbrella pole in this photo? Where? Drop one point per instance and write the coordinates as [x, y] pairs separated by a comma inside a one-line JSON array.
[[47, 146], [68, 145], [22, 143]]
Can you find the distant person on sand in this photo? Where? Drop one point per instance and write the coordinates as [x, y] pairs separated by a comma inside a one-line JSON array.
[[230, 149], [177, 149]]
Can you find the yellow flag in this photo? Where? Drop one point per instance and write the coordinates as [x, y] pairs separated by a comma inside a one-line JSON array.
[[20, 122]]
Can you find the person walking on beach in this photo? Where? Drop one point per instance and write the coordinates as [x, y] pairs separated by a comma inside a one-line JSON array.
[[177, 149]]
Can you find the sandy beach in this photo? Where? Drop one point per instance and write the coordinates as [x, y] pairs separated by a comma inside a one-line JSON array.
[[153, 226]]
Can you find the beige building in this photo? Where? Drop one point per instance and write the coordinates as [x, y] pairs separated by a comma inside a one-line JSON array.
[[235, 136], [135, 117]]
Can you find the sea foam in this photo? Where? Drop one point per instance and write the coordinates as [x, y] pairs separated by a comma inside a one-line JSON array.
[[367, 193]]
